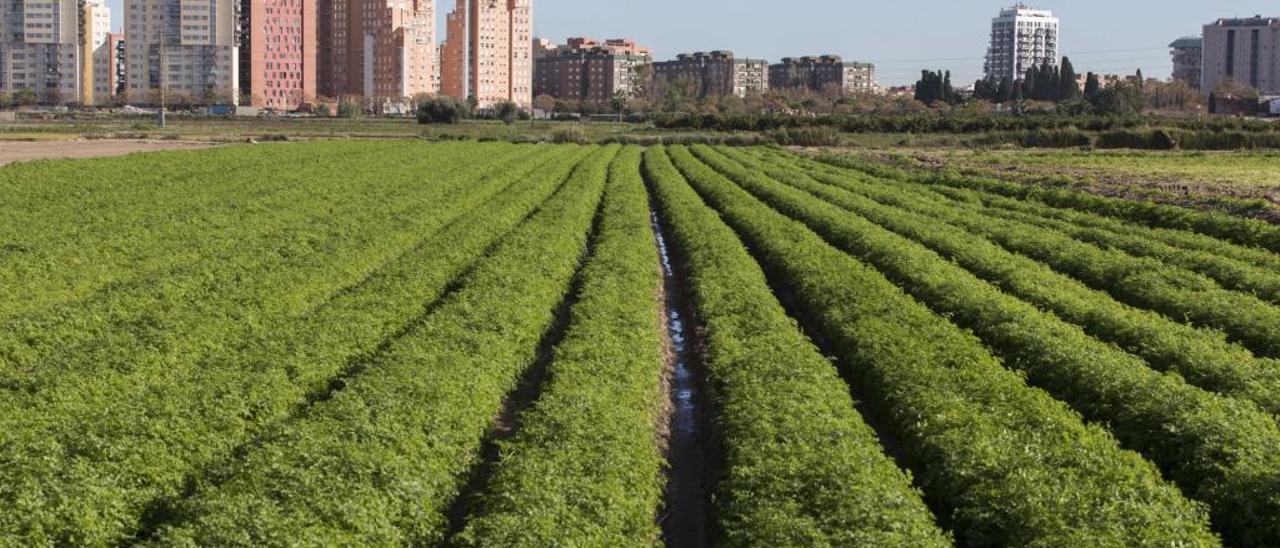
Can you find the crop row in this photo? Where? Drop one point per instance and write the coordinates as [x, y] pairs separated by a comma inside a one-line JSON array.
[[1005, 463], [380, 461], [1221, 451], [141, 217], [122, 443], [1144, 282], [799, 466], [1248, 232], [259, 265], [1202, 356], [585, 466]]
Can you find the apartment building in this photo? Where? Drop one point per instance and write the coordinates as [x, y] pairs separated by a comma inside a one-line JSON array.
[[823, 73], [489, 52], [1187, 53], [182, 48], [95, 25], [1021, 37], [589, 71], [41, 48], [1245, 51], [379, 49], [714, 74], [278, 53]]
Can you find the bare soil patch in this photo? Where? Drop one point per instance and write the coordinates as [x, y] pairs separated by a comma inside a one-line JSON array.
[[19, 151]]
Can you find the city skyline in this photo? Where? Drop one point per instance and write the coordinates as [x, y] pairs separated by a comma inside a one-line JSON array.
[[1096, 34]]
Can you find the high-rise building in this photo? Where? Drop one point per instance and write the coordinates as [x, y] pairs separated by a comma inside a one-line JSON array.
[[380, 50], [41, 48], [585, 70], [111, 67], [278, 54], [714, 74], [1187, 54], [182, 49], [1245, 51], [489, 52], [1021, 37], [823, 73], [95, 21]]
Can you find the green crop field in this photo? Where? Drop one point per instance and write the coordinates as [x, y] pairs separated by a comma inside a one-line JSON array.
[[394, 343]]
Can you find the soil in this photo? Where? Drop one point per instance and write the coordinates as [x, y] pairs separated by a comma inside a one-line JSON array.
[[18, 151]]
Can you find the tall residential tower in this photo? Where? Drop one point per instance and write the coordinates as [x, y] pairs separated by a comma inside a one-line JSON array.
[[488, 53], [1244, 51], [42, 45], [183, 48], [1021, 37], [381, 50]]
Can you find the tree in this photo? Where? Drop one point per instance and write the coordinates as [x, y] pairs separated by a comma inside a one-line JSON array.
[[506, 111], [5, 100], [934, 87], [544, 102], [349, 107], [1092, 88], [440, 110], [1068, 89], [1120, 99], [1045, 85], [1006, 92]]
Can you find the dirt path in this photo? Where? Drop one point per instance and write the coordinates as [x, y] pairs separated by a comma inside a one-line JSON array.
[[17, 151]]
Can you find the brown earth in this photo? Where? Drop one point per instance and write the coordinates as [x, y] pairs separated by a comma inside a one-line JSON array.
[[18, 151]]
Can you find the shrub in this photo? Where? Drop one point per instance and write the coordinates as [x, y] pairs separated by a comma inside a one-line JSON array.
[[441, 110]]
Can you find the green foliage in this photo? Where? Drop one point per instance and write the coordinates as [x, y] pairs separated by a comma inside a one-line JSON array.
[[584, 469], [1246, 232], [349, 107], [801, 468], [165, 398], [506, 111], [379, 461], [441, 110], [973, 431]]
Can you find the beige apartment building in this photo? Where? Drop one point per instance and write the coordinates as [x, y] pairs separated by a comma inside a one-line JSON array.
[[381, 50], [823, 73], [182, 48], [1246, 51], [1187, 54], [488, 52], [714, 74], [588, 71], [41, 49]]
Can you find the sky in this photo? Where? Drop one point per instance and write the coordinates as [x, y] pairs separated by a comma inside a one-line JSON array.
[[901, 38]]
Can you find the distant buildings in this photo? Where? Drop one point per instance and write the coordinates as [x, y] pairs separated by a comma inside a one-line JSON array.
[[186, 47], [277, 53], [588, 71], [488, 52], [1244, 51], [379, 50], [1021, 37], [823, 73], [714, 74], [46, 49], [1187, 53]]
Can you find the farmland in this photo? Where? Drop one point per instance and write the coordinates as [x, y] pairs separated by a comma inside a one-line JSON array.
[[473, 343]]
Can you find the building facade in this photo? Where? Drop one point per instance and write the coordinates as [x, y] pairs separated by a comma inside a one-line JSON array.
[[823, 73], [714, 74], [95, 21], [278, 53], [588, 71], [41, 49], [489, 52], [183, 49], [1021, 37], [1243, 51], [381, 50], [1187, 54]]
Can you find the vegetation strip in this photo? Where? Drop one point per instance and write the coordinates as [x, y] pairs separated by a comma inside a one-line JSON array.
[[585, 466], [1248, 232], [1202, 356], [1003, 463], [137, 222], [380, 462], [137, 452], [800, 466], [1224, 452]]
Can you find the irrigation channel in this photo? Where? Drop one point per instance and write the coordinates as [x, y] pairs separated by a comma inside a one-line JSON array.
[[684, 522]]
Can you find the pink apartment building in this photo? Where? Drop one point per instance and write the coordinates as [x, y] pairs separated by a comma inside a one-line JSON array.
[[278, 53], [488, 53]]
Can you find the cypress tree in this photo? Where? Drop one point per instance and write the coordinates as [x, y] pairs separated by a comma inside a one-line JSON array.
[[1068, 89], [1004, 93], [1092, 88]]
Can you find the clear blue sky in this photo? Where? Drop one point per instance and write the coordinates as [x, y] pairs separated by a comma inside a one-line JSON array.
[[901, 37]]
